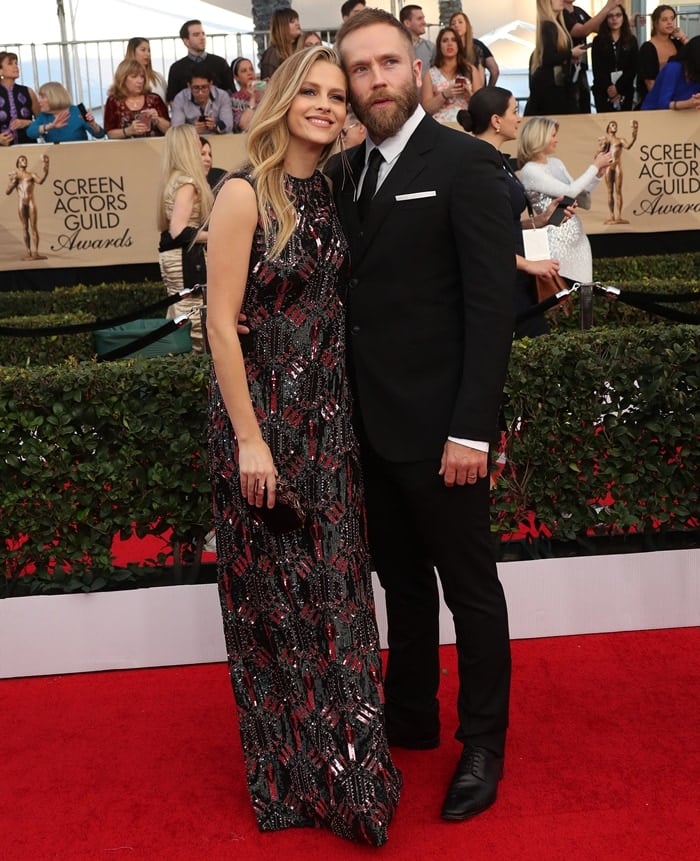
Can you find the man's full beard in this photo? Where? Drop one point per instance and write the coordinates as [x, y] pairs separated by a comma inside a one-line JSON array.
[[383, 124]]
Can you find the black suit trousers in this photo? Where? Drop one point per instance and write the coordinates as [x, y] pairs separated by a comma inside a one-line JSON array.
[[418, 525]]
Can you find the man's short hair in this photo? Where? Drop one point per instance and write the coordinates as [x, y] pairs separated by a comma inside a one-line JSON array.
[[198, 72], [406, 12], [349, 5], [185, 29], [365, 19]]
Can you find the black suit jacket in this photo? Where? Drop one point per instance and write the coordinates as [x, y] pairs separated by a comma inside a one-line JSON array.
[[430, 303]]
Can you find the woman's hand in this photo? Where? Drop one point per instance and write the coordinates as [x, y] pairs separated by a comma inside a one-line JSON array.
[[602, 162], [452, 91], [60, 120], [255, 92], [6, 139], [577, 52], [258, 473], [542, 219], [547, 268], [140, 127]]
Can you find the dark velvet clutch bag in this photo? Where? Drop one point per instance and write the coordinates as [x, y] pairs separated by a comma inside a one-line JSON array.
[[287, 514]]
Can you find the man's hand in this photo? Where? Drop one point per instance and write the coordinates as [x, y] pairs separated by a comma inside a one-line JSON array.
[[461, 464]]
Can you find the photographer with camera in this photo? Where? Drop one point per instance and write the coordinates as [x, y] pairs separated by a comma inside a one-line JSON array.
[[203, 105]]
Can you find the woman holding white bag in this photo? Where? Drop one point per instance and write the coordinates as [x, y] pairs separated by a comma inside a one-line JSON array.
[[546, 178]]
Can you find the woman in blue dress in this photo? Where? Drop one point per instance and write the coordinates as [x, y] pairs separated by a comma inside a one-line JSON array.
[[678, 85]]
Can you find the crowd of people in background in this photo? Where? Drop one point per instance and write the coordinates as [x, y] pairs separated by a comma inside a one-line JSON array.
[[220, 97], [624, 73]]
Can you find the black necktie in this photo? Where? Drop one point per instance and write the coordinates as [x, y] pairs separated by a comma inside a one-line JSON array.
[[369, 184]]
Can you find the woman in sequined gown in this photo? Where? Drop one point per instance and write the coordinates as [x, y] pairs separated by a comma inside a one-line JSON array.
[[297, 606], [545, 178]]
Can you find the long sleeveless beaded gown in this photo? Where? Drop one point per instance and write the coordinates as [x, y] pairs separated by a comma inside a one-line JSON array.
[[298, 607]]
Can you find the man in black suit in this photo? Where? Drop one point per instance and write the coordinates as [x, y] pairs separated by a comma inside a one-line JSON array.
[[211, 66], [430, 322]]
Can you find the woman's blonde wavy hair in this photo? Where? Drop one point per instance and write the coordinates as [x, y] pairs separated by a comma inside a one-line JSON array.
[[545, 12], [182, 156], [534, 137], [268, 139]]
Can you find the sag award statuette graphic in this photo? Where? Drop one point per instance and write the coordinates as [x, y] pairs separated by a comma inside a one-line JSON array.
[[615, 144], [24, 182]]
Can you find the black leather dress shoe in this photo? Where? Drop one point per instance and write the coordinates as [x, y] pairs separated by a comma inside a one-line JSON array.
[[475, 784]]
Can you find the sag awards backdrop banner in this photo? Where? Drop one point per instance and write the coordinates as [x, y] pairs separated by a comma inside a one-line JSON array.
[[86, 204], [95, 204]]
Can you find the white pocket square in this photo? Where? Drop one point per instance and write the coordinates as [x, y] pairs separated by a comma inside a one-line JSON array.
[[417, 195]]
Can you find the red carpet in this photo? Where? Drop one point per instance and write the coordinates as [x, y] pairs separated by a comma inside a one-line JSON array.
[[603, 763]]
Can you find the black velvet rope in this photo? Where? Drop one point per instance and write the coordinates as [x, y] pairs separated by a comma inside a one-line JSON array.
[[644, 301], [543, 306], [650, 302], [76, 328]]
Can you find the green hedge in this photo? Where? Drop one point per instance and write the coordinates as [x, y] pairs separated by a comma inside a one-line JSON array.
[[26, 350], [89, 450], [602, 431], [667, 267], [105, 300]]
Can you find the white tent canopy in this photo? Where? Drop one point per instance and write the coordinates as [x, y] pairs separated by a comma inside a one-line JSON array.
[[108, 19]]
